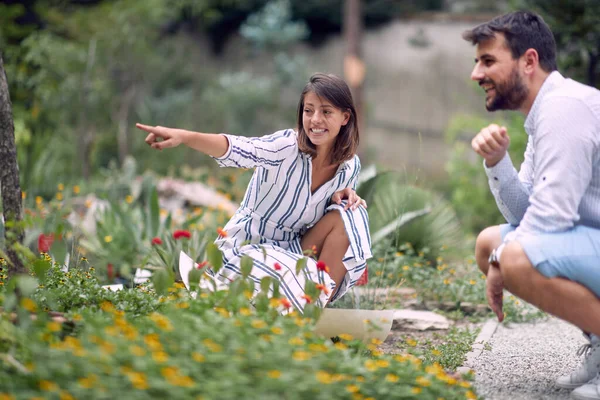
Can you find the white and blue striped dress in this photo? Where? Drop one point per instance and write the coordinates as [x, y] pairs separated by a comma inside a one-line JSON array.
[[277, 210]]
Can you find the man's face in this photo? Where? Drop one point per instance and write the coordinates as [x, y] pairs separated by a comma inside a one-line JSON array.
[[498, 75]]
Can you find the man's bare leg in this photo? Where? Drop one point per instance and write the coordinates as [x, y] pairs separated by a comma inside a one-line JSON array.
[[488, 240], [563, 298]]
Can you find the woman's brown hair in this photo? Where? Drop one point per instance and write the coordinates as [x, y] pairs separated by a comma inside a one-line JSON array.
[[336, 91]]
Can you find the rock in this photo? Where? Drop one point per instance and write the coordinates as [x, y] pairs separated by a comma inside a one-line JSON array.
[[194, 193], [419, 320]]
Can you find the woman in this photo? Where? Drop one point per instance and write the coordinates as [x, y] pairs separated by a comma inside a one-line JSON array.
[[293, 202]]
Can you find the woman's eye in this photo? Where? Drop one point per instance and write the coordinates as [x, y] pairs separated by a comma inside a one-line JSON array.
[[306, 110]]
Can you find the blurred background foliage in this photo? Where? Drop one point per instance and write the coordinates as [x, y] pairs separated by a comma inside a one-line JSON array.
[[82, 72]]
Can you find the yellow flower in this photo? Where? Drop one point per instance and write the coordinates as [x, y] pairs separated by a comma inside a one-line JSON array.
[[470, 395], [161, 321], [6, 396], [160, 357], [341, 346], [212, 346], [465, 384], [436, 352], [23, 195], [345, 336], [392, 378], [416, 390], [318, 348], [274, 374], [38, 200], [411, 342], [276, 330], [376, 342], [183, 304], [59, 196], [64, 395], [153, 341], [446, 281], [301, 356], [266, 338], [406, 268], [371, 365], [129, 199], [108, 348], [422, 381], [48, 386], [352, 388], [137, 351], [472, 282], [198, 357], [76, 189], [138, 380], [324, 377], [245, 311], [108, 238], [258, 324], [382, 363], [54, 326], [28, 304], [61, 187], [88, 382]]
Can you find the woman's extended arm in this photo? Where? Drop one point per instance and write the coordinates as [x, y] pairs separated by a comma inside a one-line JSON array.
[[214, 145]]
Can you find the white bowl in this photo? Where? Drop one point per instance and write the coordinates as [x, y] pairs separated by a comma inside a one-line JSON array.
[[361, 324]]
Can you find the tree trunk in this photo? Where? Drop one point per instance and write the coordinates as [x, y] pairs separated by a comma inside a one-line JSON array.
[[9, 177], [354, 67]]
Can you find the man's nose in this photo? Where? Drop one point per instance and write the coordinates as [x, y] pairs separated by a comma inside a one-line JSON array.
[[477, 73]]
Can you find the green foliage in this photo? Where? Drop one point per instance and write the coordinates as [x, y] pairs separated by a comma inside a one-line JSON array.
[[135, 344], [577, 34], [467, 185], [388, 199]]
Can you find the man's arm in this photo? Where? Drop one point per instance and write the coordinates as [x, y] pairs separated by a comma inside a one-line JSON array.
[[511, 189], [565, 142]]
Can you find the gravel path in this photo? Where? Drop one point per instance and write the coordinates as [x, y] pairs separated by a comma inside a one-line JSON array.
[[525, 359]]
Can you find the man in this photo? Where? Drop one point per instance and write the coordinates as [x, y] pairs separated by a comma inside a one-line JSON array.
[[549, 252]]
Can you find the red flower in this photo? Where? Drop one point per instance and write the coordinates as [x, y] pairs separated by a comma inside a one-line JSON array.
[[157, 241], [221, 232], [181, 233], [307, 298], [202, 264], [277, 266], [45, 242], [321, 266]]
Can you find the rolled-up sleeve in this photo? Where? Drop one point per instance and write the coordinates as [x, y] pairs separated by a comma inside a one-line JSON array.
[[266, 151]]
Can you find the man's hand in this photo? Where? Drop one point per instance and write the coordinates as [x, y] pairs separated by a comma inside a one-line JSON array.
[[491, 143], [354, 200], [494, 288]]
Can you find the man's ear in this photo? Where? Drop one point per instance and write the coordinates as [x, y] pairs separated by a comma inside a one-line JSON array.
[[531, 60]]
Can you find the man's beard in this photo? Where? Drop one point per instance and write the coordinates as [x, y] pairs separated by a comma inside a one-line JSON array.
[[509, 95]]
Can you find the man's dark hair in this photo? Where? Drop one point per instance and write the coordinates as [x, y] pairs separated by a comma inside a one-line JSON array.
[[523, 30]]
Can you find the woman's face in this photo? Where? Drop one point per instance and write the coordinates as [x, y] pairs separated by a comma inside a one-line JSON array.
[[322, 121]]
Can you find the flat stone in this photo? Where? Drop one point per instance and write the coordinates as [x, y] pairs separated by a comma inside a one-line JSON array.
[[419, 320]]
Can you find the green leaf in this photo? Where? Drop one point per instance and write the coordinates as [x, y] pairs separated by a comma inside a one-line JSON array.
[[265, 284], [40, 268], [59, 250], [300, 265], [162, 280], [214, 256], [194, 278], [246, 265], [27, 285], [153, 213]]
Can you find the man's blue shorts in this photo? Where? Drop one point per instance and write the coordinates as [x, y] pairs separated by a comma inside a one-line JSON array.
[[572, 254]]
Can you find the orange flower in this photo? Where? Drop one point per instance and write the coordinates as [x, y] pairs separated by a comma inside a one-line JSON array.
[[285, 302], [322, 288], [221, 232], [307, 298]]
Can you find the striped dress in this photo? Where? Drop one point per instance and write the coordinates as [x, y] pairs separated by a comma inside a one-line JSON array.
[[278, 208]]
